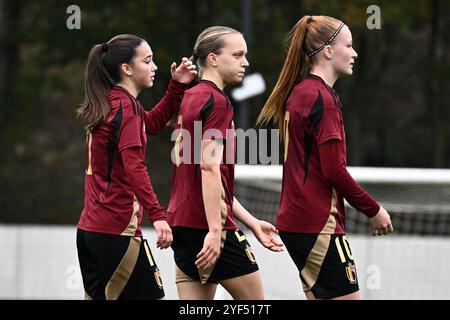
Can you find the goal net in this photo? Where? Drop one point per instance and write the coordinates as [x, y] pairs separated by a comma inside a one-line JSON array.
[[413, 260], [418, 200]]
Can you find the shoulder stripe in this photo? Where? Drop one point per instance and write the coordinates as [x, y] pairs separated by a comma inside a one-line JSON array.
[[207, 108], [132, 100], [134, 105], [210, 83], [308, 142], [140, 108], [111, 147], [315, 115], [116, 123]]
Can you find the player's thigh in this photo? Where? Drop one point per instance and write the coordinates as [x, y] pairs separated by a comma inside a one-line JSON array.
[[196, 290], [246, 287], [352, 296]]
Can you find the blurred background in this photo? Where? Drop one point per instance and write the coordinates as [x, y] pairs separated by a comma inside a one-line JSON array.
[[396, 107]]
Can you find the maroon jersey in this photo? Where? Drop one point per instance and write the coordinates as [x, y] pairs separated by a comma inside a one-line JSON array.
[[315, 178], [207, 105], [117, 186]]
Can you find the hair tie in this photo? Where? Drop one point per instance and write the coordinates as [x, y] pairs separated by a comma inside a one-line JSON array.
[[104, 47]]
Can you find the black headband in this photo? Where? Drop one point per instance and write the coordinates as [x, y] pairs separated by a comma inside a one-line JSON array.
[[328, 41]]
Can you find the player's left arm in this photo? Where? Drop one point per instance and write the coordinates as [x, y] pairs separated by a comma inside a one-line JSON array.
[[156, 119], [261, 229]]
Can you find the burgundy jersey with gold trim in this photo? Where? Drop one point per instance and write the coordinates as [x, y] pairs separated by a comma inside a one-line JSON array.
[[205, 110], [312, 196], [117, 186]]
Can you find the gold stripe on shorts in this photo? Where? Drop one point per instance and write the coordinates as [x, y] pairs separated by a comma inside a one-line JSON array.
[[310, 271], [123, 272], [130, 230], [87, 296], [180, 276]]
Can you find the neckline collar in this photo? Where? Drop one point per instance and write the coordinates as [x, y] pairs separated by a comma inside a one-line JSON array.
[[314, 76], [117, 87], [212, 83]]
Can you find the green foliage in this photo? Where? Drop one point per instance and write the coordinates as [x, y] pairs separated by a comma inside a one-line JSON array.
[[393, 110]]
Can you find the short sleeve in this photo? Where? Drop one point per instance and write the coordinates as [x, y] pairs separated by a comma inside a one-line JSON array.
[[325, 118], [330, 128], [216, 118], [130, 134]]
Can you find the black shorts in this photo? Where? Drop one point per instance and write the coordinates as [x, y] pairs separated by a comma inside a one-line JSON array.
[[236, 256], [117, 267], [325, 263]]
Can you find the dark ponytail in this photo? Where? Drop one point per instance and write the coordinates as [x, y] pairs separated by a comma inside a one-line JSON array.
[[194, 58], [102, 73]]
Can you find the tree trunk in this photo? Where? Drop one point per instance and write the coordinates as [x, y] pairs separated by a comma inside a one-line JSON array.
[[9, 17], [435, 85]]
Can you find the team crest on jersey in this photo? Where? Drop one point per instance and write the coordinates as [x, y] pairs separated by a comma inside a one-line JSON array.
[[351, 273], [249, 252]]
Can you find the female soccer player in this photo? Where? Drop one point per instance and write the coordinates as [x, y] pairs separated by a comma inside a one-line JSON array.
[[208, 246], [308, 112], [115, 261]]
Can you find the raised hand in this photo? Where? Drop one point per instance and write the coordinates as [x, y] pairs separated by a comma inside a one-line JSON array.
[[185, 72]]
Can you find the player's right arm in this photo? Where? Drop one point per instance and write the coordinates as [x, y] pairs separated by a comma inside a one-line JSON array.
[[140, 183], [211, 151], [327, 125], [132, 153]]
